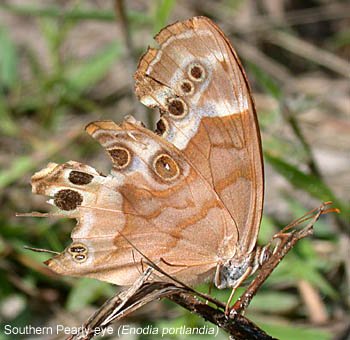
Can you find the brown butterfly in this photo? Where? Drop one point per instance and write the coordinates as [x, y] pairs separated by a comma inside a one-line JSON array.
[[189, 195]]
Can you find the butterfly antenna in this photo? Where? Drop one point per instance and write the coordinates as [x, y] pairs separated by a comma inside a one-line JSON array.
[[39, 250], [38, 214]]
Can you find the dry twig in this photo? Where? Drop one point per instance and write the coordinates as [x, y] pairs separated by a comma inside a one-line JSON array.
[[130, 55], [308, 51]]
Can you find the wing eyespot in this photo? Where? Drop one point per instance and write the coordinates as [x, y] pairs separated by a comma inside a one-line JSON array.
[[187, 88], [67, 199], [79, 252], [79, 178], [166, 167], [162, 128], [196, 72], [80, 258], [177, 108], [77, 248], [121, 157]]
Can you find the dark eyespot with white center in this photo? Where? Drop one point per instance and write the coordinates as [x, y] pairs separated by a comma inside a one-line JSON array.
[[162, 128], [177, 108], [187, 88], [196, 72], [67, 199], [80, 258], [80, 178], [77, 248], [165, 167], [120, 156]]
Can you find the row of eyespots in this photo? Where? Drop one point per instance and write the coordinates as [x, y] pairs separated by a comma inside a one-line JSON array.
[[163, 164], [196, 73], [78, 251], [68, 199], [177, 107]]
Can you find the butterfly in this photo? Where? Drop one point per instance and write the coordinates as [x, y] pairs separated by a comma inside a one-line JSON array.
[[188, 195]]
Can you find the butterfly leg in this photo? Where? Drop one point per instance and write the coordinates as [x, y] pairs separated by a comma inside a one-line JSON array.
[[238, 283], [279, 237], [142, 267]]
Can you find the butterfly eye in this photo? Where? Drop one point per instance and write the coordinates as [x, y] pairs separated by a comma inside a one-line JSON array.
[[80, 178], [120, 156], [67, 199], [177, 108], [166, 167], [196, 72]]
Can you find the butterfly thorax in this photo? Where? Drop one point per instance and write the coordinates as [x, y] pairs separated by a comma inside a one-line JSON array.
[[229, 274]]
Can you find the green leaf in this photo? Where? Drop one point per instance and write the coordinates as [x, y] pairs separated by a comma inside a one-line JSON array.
[[50, 29], [300, 180], [75, 13], [88, 73], [295, 267], [161, 15], [311, 274], [312, 185], [57, 12], [86, 291], [8, 60], [287, 332], [274, 302], [19, 167], [267, 230], [35, 256], [8, 125], [339, 39], [268, 84]]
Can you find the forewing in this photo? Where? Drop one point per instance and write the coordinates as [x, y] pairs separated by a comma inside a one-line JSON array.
[[163, 209]]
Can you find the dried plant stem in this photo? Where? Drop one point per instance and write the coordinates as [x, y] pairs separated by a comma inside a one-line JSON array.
[[308, 51], [294, 124], [263, 23], [119, 6], [239, 327], [315, 306], [250, 52]]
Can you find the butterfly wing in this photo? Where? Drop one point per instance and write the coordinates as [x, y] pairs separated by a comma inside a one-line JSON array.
[[191, 197], [152, 200], [208, 113]]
